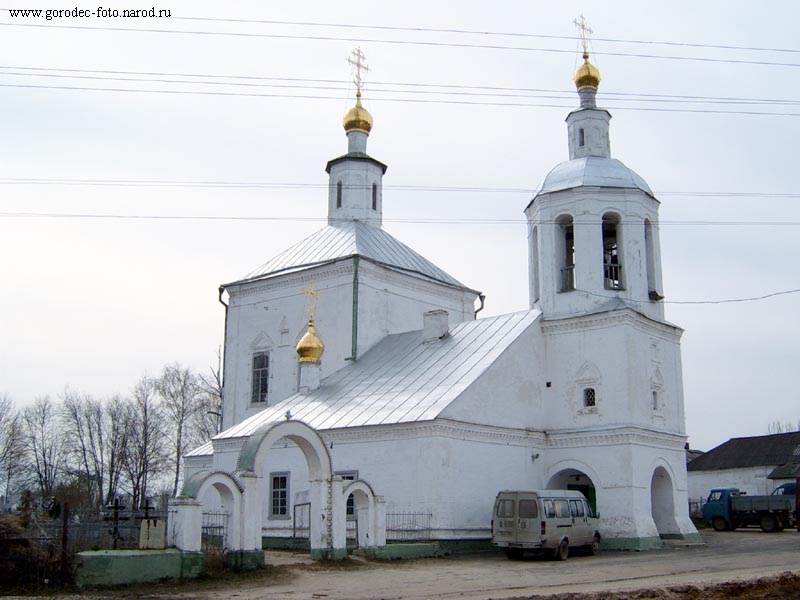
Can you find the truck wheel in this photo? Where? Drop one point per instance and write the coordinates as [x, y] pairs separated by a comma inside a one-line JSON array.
[[562, 552], [719, 524], [594, 549], [768, 523], [514, 553]]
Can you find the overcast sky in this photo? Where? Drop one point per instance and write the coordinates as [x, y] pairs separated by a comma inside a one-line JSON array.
[[93, 302]]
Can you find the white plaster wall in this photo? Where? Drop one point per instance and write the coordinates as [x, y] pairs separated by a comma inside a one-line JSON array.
[[273, 314], [357, 177], [752, 480]]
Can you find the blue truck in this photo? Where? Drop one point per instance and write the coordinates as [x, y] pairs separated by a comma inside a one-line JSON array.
[[728, 509]]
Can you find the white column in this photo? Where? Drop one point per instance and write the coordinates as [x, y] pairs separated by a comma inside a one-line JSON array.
[[185, 529], [252, 498], [379, 522]]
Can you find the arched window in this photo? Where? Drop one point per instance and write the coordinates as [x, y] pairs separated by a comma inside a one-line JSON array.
[[589, 397], [565, 253], [338, 194], [581, 137], [612, 255], [374, 196]]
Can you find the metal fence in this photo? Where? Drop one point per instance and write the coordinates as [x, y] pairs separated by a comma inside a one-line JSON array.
[[214, 539], [408, 527]]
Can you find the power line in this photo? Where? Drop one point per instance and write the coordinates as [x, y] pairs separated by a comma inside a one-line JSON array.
[[405, 42], [408, 100], [570, 92], [343, 87], [306, 185], [724, 301], [417, 221], [488, 33]]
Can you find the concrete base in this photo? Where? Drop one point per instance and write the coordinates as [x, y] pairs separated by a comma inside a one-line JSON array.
[[118, 567], [284, 543], [334, 554], [637, 544], [245, 560]]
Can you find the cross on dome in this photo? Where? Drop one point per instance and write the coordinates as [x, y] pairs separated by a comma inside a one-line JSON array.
[[358, 61]]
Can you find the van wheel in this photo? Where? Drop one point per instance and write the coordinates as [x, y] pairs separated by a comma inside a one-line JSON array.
[[768, 523], [594, 549], [562, 552], [514, 553], [719, 524]]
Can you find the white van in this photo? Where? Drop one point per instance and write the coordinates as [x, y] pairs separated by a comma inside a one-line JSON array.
[[542, 520]]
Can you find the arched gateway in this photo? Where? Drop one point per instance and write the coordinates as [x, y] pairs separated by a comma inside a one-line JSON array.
[[243, 494]]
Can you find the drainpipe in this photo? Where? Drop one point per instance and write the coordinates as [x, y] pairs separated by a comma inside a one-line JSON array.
[[354, 343], [482, 298], [224, 348]]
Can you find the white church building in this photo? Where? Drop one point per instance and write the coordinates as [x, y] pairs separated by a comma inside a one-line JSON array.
[[395, 393]]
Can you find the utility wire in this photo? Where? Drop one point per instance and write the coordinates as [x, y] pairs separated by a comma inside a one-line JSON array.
[[431, 221], [405, 42], [487, 33], [408, 100], [725, 301], [342, 87]]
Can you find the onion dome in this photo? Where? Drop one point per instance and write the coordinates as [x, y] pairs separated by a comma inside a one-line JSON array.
[[310, 347], [358, 118], [587, 75]]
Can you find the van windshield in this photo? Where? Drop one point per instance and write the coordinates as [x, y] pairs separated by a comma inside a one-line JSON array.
[[505, 508], [528, 509]]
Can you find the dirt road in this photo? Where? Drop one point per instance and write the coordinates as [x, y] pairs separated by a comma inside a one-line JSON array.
[[726, 557]]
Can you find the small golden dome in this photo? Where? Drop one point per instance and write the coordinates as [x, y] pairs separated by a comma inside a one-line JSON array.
[[310, 347], [587, 75], [358, 118]]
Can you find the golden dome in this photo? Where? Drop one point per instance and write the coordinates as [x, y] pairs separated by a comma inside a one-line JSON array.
[[310, 347], [358, 118], [587, 75]]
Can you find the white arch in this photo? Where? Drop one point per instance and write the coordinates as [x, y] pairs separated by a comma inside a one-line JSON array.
[[576, 465], [662, 501], [230, 491], [371, 513]]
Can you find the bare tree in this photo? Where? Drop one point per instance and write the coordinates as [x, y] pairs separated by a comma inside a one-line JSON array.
[[82, 420], [207, 421], [782, 427], [116, 444], [12, 448], [44, 443], [145, 455], [180, 400]]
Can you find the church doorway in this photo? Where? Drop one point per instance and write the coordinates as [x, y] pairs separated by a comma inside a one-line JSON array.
[[573, 479], [662, 503]]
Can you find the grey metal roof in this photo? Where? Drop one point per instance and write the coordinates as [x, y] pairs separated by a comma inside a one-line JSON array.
[[759, 451], [399, 380], [592, 171], [342, 240]]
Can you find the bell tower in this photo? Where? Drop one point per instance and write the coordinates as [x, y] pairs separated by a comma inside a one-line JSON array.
[[593, 223]]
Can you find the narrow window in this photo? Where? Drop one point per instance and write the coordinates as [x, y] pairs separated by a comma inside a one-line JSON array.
[[581, 138], [655, 399], [535, 264], [279, 495], [589, 397], [374, 196], [338, 194], [351, 501], [650, 258], [260, 376], [612, 264]]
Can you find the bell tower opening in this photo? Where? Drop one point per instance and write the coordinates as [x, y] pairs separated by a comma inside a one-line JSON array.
[[612, 255], [565, 253]]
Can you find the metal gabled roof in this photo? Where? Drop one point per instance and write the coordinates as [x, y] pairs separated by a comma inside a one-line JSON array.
[[346, 239], [400, 379], [758, 451]]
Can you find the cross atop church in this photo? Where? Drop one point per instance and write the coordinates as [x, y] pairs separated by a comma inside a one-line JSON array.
[[358, 62], [312, 300], [585, 32]]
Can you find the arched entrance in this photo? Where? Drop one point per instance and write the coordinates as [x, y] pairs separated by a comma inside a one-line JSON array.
[[574, 479], [327, 527], [370, 514], [662, 503]]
